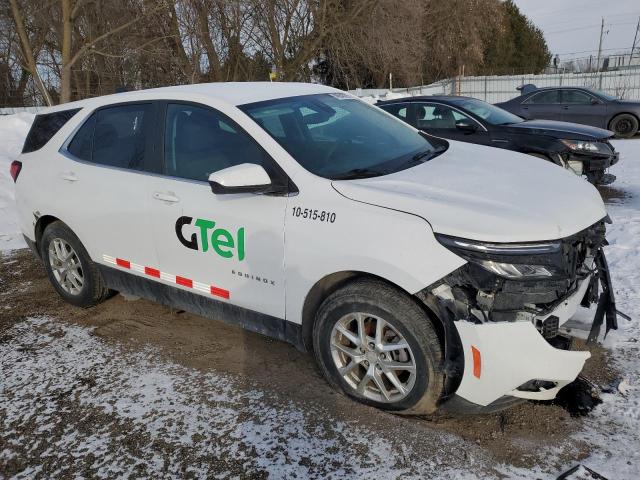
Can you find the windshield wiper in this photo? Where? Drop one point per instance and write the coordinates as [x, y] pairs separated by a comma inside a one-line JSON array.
[[358, 173], [425, 156]]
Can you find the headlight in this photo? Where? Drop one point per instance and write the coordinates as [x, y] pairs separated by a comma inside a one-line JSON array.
[[587, 147], [515, 261]]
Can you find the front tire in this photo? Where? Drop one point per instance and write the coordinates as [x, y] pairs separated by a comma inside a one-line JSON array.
[[624, 125], [376, 345], [70, 269]]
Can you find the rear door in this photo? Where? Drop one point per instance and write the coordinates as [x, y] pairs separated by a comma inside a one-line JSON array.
[[226, 247], [580, 107], [101, 183], [545, 105]]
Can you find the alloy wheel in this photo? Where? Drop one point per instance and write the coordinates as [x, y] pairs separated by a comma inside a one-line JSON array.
[[66, 266], [373, 357]]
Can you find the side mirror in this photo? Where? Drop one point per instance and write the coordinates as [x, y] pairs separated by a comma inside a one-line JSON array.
[[594, 101], [466, 126], [243, 178]]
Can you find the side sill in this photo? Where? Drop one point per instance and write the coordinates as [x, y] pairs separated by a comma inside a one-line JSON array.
[[251, 320]]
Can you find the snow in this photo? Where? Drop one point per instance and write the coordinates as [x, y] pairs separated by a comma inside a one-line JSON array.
[[615, 425], [149, 396], [13, 130], [140, 397]]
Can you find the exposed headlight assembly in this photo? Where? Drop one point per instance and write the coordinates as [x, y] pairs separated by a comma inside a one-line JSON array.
[[581, 146], [515, 261]]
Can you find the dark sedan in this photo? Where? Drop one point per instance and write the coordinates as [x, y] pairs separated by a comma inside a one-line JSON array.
[[583, 149], [579, 105]]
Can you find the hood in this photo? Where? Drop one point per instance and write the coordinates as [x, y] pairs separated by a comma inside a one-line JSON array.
[[487, 194], [635, 103], [574, 131]]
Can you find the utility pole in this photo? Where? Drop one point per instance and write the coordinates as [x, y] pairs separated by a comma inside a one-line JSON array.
[[600, 45], [635, 37], [602, 32]]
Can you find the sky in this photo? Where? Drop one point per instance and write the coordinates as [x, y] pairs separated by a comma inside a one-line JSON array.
[[572, 27]]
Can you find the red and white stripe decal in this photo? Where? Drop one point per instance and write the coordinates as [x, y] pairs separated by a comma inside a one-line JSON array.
[[168, 277]]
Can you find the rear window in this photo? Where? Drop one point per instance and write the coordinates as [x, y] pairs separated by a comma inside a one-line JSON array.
[[44, 127]]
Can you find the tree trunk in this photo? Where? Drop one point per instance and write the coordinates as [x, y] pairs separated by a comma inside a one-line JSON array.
[[65, 73], [27, 52]]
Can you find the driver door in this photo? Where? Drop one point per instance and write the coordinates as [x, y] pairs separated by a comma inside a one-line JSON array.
[[226, 247]]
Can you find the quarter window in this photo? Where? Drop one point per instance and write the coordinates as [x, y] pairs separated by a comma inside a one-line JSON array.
[[548, 97], [44, 127], [199, 141]]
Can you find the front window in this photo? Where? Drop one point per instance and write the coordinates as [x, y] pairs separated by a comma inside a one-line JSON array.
[[438, 116], [489, 113], [604, 95], [338, 137]]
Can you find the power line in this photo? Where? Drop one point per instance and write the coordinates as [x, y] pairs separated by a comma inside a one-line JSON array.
[[619, 49], [587, 27]]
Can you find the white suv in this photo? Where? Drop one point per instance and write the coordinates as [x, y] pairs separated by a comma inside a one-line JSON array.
[[420, 272]]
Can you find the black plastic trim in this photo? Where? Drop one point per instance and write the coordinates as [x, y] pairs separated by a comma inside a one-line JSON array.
[[32, 246], [251, 320], [458, 405]]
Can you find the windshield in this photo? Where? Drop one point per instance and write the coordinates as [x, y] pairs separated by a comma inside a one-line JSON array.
[[489, 113], [336, 136]]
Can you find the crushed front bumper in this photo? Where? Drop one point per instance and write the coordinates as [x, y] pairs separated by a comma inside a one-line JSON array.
[[500, 357], [505, 365], [502, 338], [593, 166]]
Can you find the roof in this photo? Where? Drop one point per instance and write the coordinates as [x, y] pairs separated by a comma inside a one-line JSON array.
[[427, 98], [234, 93]]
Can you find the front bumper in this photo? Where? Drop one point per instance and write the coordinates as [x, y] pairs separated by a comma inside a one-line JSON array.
[[596, 163], [499, 357], [502, 339]]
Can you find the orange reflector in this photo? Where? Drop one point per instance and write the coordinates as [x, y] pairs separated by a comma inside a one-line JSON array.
[[477, 363]]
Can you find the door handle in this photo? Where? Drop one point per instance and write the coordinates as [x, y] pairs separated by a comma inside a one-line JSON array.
[[69, 176], [565, 107], [166, 197]]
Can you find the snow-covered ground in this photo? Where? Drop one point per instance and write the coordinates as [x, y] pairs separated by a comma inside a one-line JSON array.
[[154, 399]]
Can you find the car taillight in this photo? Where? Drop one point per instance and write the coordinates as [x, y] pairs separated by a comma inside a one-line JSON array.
[[16, 166]]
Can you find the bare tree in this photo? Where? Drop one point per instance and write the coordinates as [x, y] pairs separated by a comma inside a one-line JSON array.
[[30, 46]]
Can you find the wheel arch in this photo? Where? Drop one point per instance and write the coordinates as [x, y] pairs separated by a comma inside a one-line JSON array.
[[43, 222], [614, 115], [332, 282]]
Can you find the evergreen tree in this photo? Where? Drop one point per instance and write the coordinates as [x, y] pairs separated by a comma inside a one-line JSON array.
[[516, 46]]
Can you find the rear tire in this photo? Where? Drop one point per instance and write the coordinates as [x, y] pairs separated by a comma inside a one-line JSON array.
[[70, 269], [377, 369], [624, 125]]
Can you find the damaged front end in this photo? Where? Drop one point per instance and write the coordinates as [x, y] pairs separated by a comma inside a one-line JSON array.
[[502, 312], [591, 159]]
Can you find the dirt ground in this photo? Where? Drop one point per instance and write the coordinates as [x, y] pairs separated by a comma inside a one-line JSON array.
[[512, 437]]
